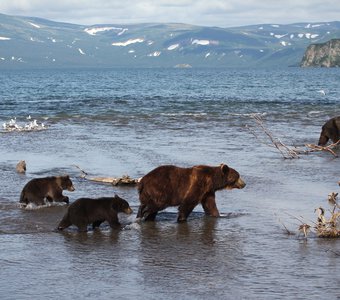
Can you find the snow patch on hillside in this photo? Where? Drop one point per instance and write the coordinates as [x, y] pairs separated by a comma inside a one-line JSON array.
[[307, 35], [95, 30], [201, 42], [283, 43], [128, 42], [122, 31], [155, 54], [173, 47], [2, 38], [34, 25]]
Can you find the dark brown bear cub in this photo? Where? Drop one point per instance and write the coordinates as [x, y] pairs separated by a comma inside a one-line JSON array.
[[330, 130], [184, 187], [49, 188], [86, 211]]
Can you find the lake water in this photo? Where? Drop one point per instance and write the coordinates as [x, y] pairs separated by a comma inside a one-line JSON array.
[[118, 122]]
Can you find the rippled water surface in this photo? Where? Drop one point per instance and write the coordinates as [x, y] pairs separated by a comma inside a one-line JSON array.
[[117, 122]]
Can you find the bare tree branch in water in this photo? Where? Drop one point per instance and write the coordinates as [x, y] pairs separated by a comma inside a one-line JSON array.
[[329, 148], [288, 152]]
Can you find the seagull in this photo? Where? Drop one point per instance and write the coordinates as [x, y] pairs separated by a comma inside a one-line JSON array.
[[322, 92]]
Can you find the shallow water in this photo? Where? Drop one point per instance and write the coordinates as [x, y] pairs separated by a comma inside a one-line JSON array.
[[116, 122]]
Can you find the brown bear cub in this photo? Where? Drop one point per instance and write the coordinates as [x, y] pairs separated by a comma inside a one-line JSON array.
[[49, 188], [330, 130], [86, 211], [184, 187]]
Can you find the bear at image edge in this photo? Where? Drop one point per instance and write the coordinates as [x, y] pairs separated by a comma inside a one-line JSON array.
[[49, 188], [184, 187], [330, 130], [85, 211]]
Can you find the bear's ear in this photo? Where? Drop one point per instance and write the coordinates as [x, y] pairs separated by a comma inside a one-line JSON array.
[[224, 168]]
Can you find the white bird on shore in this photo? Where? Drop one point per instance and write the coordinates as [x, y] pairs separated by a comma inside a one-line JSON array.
[[322, 92]]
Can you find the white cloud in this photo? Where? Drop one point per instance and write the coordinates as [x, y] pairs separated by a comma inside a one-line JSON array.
[[198, 12]]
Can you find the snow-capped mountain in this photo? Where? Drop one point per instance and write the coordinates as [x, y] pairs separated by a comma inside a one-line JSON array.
[[28, 42]]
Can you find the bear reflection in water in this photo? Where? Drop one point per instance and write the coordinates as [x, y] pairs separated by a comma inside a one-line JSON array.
[[184, 187], [86, 211], [49, 188]]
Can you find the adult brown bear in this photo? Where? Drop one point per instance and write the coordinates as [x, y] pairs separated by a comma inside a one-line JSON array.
[[86, 211], [184, 187], [330, 130], [49, 188]]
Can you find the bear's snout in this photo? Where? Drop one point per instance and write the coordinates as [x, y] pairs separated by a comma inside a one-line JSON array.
[[128, 211], [240, 184], [71, 188]]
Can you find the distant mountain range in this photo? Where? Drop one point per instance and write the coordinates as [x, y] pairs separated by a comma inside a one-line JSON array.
[[28, 42]]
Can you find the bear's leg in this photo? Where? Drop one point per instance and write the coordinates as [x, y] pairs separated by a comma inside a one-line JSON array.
[[147, 213], [97, 223], [82, 227], [141, 210], [37, 200], [112, 219], [59, 197], [150, 216], [184, 211], [209, 206]]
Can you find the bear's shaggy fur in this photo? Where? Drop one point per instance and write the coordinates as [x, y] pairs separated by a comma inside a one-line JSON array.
[[49, 188], [184, 187], [330, 130], [86, 211]]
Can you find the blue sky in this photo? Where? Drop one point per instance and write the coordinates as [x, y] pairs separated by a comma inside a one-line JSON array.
[[221, 13]]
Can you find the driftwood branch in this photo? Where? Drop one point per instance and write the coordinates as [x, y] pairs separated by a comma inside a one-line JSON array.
[[124, 180], [329, 148], [287, 152]]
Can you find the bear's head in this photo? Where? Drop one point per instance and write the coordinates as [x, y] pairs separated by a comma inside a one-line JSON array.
[[331, 130], [121, 205], [231, 178], [65, 183]]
